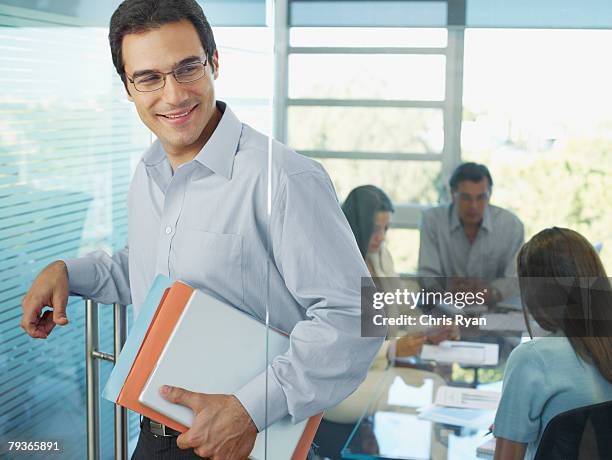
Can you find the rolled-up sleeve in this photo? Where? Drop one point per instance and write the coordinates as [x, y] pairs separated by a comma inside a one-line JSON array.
[[316, 253], [101, 277]]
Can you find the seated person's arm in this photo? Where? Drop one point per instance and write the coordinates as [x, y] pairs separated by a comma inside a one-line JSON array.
[[524, 396], [409, 345], [509, 450]]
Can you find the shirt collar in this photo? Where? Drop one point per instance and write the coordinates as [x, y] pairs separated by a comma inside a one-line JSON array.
[[486, 219], [219, 151], [154, 155], [455, 223]]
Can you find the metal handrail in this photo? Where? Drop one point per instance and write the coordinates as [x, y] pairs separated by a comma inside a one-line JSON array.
[[92, 357]]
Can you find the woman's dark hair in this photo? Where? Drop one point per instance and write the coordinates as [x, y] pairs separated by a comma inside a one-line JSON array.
[[136, 16], [360, 208], [473, 172], [565, 287]]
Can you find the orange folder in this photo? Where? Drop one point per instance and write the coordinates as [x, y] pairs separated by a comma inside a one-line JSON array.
[[167, 314]]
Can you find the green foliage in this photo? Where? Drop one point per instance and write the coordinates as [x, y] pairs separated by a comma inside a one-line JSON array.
[[568, 187]]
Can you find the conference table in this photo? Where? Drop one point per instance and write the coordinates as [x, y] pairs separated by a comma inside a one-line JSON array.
[[390, 428]]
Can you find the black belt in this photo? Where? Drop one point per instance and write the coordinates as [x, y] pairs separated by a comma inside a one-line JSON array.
[[158, 429]]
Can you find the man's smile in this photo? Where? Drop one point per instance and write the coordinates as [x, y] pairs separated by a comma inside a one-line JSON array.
[[178, 117]]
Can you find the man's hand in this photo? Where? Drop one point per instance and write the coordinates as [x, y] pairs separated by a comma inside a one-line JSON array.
[[222, 429], [409, 345], [49, 289]]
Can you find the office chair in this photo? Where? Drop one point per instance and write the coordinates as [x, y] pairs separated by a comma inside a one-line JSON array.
[[582, 433]]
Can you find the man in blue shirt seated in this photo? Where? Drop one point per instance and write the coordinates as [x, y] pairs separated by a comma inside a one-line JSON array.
[[470, 239]]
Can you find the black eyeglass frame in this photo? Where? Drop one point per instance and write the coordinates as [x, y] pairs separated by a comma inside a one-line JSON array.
[[204, 62]]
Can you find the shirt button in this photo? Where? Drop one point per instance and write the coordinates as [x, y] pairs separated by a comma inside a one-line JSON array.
[[168, 230]]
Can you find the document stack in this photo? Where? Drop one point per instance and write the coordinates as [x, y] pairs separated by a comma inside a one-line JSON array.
[[187, 338]]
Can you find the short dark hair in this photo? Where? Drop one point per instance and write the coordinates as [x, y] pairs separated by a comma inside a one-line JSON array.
[[360, 208], [473, 172], [135, 16]]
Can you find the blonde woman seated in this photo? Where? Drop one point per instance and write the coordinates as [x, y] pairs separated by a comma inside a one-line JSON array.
[[573, 367]]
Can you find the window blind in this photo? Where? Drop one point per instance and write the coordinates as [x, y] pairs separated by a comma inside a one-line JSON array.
[[69, 141]]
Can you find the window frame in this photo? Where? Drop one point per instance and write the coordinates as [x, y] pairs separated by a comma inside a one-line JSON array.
[[408, 215]]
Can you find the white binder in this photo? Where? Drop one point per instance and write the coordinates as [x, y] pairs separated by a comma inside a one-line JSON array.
[[226, 348]]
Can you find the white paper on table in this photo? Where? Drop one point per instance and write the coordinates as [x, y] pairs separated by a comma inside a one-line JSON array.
[[472, 418], [467, 353], [467, 398], [390, 429]]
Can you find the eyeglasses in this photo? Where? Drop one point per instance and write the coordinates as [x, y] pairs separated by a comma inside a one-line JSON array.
[[152, 81], [465, 198]]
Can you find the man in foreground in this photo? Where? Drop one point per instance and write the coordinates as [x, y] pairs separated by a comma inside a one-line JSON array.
[[197, 212]]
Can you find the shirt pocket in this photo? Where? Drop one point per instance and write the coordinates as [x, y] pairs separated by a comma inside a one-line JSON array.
[[212, 261]]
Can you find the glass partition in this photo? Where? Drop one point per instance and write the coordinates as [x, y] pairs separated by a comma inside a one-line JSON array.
[[70, 142], [399, 101], [367, 110], [349, 121]]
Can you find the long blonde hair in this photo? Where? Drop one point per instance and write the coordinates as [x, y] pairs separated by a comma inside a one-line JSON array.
[[565, 287]]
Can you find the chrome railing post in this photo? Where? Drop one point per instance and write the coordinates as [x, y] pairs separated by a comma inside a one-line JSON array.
[[91, 366], [121, 428], [92, 355]]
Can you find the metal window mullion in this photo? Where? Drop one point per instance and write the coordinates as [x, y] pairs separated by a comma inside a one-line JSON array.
[[453, 106], [380, 103], [281, 67], [408, 216], [367, 50], [356, 155]]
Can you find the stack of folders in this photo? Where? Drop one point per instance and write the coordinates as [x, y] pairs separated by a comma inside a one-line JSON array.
[[189, 339]]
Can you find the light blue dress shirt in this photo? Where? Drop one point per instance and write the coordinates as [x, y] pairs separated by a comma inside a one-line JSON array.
[[207, 224], [446, 252], [543, 378]]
